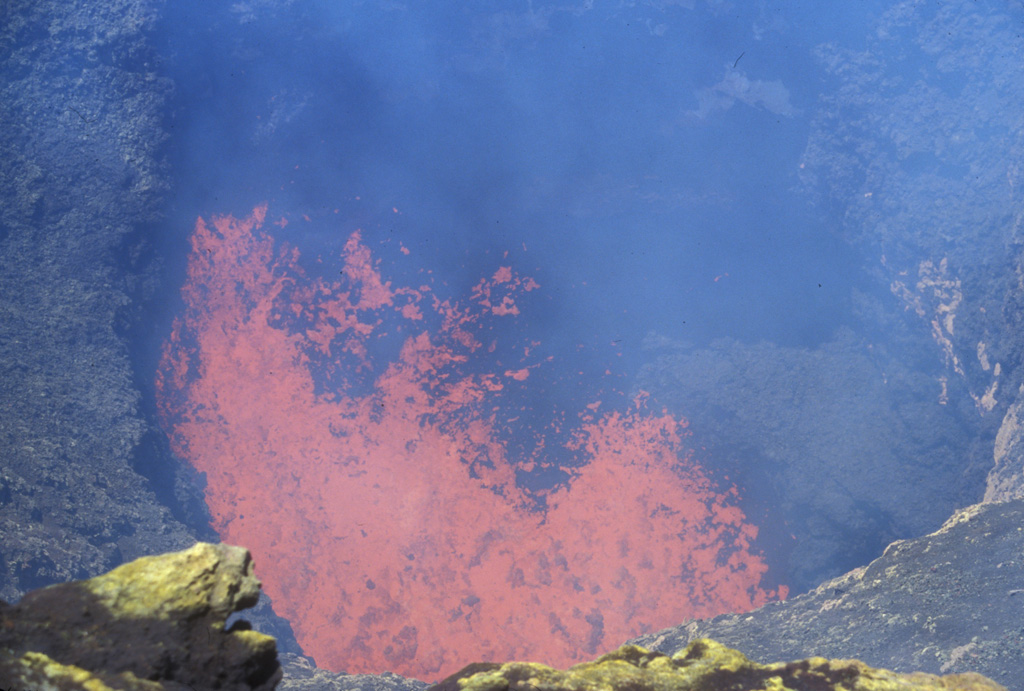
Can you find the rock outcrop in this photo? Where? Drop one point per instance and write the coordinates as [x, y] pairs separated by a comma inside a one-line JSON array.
[[704, 665], [1006, 479], [155, 623], [947, 602], [81, 468]]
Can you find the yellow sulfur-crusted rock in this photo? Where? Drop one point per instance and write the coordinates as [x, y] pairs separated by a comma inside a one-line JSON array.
[[704, 665]]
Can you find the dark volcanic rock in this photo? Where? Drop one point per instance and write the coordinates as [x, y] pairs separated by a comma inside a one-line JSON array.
[[943, 603], [1006, 479], [80, 130], [843, 447], [158, 622], [917, 148], [704, 665], [85, 483]]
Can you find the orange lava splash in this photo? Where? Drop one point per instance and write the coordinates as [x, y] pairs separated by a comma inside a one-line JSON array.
[[379, 501]]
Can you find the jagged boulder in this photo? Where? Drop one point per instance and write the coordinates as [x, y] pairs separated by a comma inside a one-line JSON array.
[[155, 623], [703, 665]]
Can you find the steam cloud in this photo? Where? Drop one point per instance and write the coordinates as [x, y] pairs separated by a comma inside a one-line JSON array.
[[385, 506]]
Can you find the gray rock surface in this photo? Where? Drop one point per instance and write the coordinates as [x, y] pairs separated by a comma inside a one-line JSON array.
[[704, 665], [917, 149], [948, 602], [300, 674], [80, 107], [85, 481], [935, 175], [1006, 479]]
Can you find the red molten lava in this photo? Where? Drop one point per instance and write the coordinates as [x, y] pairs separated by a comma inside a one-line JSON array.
[[382, 508]]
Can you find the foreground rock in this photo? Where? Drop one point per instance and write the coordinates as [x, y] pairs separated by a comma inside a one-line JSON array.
[[703, 666], [155, 623], [943, 603]]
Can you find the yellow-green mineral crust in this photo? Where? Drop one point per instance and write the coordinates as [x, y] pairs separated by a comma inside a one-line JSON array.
[[704, 665], [155, 623]]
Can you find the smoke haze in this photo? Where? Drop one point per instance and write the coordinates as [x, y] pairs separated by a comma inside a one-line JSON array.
[[433, 241]]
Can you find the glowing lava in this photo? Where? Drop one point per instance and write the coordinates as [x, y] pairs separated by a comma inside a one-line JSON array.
[[378, 499]]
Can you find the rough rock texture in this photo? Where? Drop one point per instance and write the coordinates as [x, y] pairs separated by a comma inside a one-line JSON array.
[[917, 146], [300, 674], [924, 162], [943, 603], [806, 435], [1006, 479], [80, 109], [703, 665], [157, 622], [86, 480]]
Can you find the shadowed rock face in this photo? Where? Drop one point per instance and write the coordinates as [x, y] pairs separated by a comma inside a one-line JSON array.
[[703, 666], [157, 622]]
